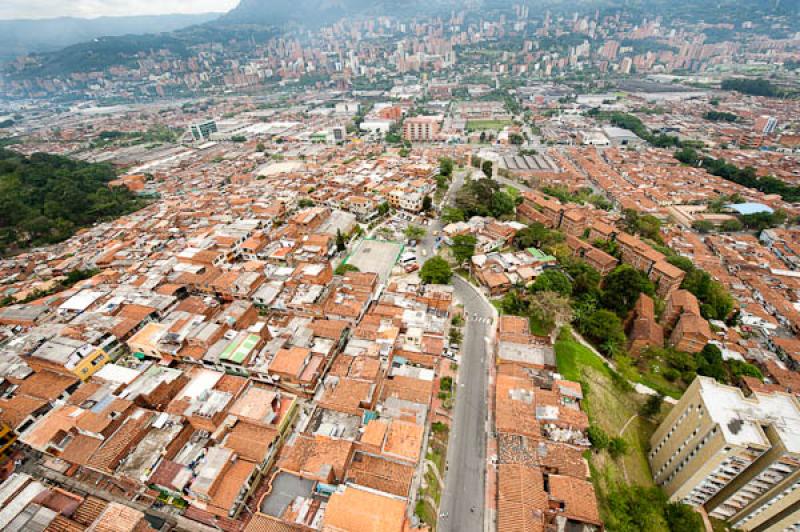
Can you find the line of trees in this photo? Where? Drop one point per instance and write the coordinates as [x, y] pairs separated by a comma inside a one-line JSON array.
[[744, 176]]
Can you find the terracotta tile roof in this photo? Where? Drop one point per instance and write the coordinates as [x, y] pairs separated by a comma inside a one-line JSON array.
[[408, 388], [47, 385], [403, 440], [332, 329], [578, 497], [80, 450], [316, 457], [89, 510], [266, 523], [227, 487], [347, 395], [250, 441], [357, 510], [117, 446], [381, 473], [118, 518], [290, 361], [14, 411], [521, 499]]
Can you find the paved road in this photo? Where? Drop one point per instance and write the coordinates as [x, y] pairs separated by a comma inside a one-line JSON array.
[[463, 502], [463, 499]]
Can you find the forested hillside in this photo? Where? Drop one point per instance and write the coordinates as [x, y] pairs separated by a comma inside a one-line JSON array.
[[45, 198]]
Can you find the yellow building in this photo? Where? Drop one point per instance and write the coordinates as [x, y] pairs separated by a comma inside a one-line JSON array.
[[91, 364], [7, 438], [737, 456]]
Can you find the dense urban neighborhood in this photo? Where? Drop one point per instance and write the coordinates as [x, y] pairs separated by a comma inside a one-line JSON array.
[[466, 266]]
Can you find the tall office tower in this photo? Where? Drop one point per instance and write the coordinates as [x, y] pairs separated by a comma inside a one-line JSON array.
[[737, 456]]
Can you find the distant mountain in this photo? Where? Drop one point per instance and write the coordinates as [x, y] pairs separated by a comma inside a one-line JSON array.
[[20, 37], [315, 12]]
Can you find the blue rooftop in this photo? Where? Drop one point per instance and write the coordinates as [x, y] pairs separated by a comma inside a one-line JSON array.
[[749, 208]]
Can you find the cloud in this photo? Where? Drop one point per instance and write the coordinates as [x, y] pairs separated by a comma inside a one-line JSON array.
[[11, 9]]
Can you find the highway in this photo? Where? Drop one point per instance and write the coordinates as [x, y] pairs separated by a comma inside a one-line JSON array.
[[463, 502]]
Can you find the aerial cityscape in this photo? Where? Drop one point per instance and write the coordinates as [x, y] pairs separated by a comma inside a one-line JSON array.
[[367, 266]]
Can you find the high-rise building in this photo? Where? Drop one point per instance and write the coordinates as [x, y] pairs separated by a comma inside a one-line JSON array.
[[765, 124], [203, 130], [736, 456]]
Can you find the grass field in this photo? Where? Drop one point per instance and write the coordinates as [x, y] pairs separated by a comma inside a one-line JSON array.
[[612, 406], [478, 125]]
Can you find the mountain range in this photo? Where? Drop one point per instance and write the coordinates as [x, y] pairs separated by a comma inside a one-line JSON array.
[[24, 36]]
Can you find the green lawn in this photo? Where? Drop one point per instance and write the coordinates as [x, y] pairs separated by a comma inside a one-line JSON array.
[[477, 125]]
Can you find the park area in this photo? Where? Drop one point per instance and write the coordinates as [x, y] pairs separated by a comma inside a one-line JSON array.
[[481, 125]]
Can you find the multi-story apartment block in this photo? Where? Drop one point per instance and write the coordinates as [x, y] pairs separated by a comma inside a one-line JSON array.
[[421, 128], [737, 456]]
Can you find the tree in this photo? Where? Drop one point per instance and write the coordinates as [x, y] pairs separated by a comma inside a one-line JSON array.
[[383, 208], [550, 309], [617, 447], [703, 226], [344, 268], [622, 287], [486, 168], [446, 166], [552, 281], [597, 437], [732, 226], [711, 364], [414, 232], [427, 203], [502, 204], [260, 147], [513, 303], [435, 271], [683, 263], [604, 329], [305, 202], [463, 247], [585, 279], [652, 407], [341, 243], [452, 215], [535, 235], [682, 517], [715, 301]]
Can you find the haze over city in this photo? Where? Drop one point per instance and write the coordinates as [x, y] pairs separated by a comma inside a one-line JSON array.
[[358, 266]]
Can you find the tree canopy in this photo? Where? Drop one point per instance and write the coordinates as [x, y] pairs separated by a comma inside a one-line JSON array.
[[435, 271], [46, 198], [483, 197], [622, 287], [463, 247]]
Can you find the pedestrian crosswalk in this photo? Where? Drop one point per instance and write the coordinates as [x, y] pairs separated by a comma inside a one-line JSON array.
[[479, 319]]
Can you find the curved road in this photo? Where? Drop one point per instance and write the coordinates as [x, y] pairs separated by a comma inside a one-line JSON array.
[[462, 506]]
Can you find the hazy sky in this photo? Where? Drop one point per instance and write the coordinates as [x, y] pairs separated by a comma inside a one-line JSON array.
[[97, 8]]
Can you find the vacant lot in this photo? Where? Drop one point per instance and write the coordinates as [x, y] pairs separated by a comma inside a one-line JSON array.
[[612, 406]]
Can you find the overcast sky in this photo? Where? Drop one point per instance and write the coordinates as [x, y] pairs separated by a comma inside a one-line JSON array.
[[97, 8]]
